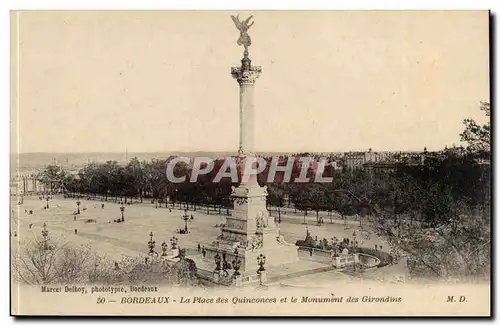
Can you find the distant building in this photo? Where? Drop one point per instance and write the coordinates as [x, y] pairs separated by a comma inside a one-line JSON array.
[[357, 160], [381, 161]]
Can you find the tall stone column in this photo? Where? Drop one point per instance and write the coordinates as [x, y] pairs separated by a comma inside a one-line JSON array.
[[246, 75], [250, 230]]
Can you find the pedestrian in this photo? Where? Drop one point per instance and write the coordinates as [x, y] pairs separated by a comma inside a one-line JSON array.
[[76, 231], [310, 252], [199, 247], [375, 247], [203, 252]]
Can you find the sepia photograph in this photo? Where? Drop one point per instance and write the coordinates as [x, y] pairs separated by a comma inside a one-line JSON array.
[[250, 163]]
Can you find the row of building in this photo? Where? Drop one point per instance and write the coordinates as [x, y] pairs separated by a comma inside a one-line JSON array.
[[386, 161]]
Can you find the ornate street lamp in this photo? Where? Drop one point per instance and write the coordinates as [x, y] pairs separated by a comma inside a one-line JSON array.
[[217, 262], [122, 209], [78, 205], [279, 211], [335, 245], [236, 266], [261, 260], [164, 248], [186, 218], [354, 248], [225, 265], [173, 242], [177, 197], [45, 235], [151, 243]]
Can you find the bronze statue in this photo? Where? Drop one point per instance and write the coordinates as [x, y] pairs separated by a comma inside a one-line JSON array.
[[243, 27]]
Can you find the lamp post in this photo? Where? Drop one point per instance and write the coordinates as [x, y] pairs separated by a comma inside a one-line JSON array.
[[151, 244], [186, 218], [217, 270], [164, 248], [177, 197], [335, 245], [354, 248], [261, 260], [217, 262], [45, 235], [47, 199], [78, 206], [122, 209], [236, 266], [354, 239], [173, 242]]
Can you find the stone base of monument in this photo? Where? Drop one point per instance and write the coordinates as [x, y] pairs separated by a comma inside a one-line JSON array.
[[276, 273], [278, 254], [248, 233]]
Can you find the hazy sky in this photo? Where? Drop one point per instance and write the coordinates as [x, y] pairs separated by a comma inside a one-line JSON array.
[[332, 81]]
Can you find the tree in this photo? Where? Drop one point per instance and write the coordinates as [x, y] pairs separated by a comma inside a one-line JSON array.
[[52, 177], [41, 263], [276, 193], [457, 249], [447, 199], [316, 199], [478, 137], [135, 169]]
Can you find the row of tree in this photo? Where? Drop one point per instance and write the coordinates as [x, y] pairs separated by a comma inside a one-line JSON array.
[[427, 192], [447, 195]]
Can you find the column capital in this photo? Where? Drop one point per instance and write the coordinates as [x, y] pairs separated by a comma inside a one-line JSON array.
[[247, 75]]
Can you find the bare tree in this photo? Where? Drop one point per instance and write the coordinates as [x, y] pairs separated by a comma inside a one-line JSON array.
[[42, 261]]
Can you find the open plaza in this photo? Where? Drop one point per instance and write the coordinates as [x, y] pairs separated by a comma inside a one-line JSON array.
[[97, 226]]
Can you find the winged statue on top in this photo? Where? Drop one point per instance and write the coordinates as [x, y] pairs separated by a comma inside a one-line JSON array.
[[243, 26]]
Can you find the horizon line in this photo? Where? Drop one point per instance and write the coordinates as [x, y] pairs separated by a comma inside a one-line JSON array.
[[235, 151]]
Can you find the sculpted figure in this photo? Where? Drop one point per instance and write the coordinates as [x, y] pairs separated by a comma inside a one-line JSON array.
[[243, 27], [261, 221]]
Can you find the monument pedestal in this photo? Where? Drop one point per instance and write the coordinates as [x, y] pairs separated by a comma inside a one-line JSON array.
[[250, 232]]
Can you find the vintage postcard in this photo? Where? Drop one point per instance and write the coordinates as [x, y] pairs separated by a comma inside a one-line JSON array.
[[263, 163]]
